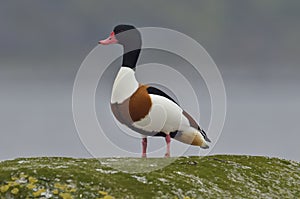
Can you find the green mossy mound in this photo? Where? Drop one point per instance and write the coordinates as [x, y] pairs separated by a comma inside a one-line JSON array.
[[219, 176]]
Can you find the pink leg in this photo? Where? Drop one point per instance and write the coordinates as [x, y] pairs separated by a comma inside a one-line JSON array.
[[144, 143], [168, 140]]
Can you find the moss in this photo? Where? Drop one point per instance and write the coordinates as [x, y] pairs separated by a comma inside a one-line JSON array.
[[186, 177]]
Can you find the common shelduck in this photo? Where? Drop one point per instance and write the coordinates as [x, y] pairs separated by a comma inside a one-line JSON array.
[[143, 108]]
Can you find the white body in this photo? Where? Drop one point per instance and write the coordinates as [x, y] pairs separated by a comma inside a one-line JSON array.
[[164, 116]]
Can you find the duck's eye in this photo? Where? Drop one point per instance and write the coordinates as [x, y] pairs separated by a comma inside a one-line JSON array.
[[109, 39]]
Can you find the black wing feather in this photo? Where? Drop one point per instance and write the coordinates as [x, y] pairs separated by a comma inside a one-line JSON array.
[[156, 91]]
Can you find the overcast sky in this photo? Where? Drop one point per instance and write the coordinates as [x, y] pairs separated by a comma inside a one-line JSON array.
[[255, 45]]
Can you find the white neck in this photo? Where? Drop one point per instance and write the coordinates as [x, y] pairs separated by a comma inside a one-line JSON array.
[[124, 86]]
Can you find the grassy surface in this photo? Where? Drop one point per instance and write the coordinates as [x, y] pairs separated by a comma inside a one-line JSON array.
[[220, 176]]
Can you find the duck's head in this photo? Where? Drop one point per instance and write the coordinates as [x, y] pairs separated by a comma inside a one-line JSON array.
[[130, 36]]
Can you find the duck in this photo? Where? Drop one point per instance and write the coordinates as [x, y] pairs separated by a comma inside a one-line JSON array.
[[143, 108]]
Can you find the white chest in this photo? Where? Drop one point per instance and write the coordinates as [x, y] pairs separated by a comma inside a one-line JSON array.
[[124, 85]]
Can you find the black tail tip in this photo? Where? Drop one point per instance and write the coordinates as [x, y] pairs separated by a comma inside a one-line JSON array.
[[204, 135]]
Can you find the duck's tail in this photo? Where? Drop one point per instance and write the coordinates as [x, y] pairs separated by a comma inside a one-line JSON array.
[[193, 137]]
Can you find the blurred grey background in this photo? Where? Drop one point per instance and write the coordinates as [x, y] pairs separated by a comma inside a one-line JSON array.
[[254, 43]]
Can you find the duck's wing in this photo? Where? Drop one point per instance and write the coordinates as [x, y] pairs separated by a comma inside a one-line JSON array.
[[156, 91], [193, 123]]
